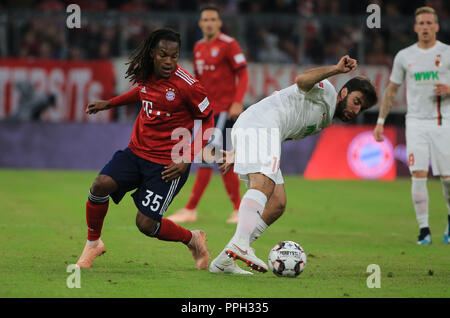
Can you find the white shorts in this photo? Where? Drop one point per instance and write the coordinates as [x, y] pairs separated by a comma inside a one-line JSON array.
[[425, 139], [257, 148]]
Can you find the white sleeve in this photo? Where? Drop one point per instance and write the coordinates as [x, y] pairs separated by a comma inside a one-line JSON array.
[[317, 91], [323, 90], [398, 70], [447, 58]]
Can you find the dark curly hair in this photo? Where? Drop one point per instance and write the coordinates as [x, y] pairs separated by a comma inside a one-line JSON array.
[[140, 66], [363, 84]]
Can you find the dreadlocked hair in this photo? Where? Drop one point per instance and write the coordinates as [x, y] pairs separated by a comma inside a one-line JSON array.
[[140, 66]]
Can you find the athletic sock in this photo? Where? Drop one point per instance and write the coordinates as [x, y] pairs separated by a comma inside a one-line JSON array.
[[447, 229], [170, 231], [232, 185], [446, 192], [252, 206], [261, 226], [424, 231], [96, 209], [201, 182], [419, 194]]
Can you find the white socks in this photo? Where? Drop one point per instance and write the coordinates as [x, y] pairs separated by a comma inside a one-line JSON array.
[[419, 194], [250, 225], [261, 226], [250, 211], [446, 192]]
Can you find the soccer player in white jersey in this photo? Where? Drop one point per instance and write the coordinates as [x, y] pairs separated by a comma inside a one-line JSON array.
[[295, 112], [425, 66]]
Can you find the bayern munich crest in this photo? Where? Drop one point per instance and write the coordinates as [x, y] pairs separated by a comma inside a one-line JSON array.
[[214, 52], [170, 94], [368, 158]]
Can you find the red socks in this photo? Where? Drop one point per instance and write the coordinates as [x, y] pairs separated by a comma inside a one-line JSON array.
[[201, 182], [232, 185], [95, 214], [169, 231], [230, 179]]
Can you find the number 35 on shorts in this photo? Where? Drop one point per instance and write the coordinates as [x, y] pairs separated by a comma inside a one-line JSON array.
[[152, 200]]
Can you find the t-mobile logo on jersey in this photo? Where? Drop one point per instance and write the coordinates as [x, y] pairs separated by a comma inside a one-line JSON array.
[[145, 105], [201, 66]]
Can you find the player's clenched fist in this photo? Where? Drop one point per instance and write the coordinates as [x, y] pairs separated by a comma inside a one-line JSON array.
[[346, 64], [93, 108]]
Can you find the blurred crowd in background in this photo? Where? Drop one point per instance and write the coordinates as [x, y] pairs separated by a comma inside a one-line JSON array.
[[278, 31]]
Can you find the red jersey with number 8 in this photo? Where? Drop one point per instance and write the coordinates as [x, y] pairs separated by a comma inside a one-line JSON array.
[[215, 65]]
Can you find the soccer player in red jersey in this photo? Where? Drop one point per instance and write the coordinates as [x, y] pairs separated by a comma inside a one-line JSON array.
[[218, 62], [171, 99]]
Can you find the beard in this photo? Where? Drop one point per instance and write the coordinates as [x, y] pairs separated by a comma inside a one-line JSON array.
[[341, 112]]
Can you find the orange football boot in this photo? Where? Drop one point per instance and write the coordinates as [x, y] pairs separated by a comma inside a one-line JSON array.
[[90, 252], [198, 248]]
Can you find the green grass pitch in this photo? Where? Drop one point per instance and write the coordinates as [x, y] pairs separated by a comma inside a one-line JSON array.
[[344, 226]]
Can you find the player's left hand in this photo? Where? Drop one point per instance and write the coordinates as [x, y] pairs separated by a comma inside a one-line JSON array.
[[442, 89], [346, 64], [174, 170], [235, 110]]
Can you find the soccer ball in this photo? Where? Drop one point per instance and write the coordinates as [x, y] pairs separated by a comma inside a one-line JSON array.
[[287, 259]]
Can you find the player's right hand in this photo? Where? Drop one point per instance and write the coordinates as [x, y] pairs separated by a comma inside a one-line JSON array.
[[174, 170], [378, 132], [346, 64], [95, 107], [227, 161], [442, 89]]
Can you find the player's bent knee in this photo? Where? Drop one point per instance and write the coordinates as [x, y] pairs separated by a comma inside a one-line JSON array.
[[103, 185], [261, 183], [419, 174], [281, 207], [147, 225]]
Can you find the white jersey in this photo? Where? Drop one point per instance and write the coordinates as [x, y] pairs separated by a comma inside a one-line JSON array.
[[296, 114], [423, 69]]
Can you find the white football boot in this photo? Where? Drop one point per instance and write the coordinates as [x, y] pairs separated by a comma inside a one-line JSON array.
[[240, 249], [223, 264]]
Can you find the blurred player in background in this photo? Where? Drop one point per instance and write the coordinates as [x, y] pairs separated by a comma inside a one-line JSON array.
[[171, 98], [298, 111], [218, 63], [425, 66]]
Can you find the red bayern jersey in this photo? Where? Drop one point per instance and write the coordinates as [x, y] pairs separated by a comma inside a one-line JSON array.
[[215, 65], [167, 105]]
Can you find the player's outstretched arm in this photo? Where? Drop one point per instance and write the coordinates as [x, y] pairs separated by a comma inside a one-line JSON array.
[[95, 107], [129, 97], [386, 104], [309, 78]]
